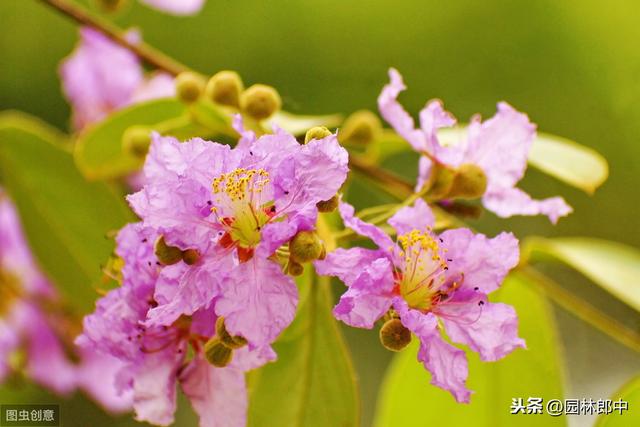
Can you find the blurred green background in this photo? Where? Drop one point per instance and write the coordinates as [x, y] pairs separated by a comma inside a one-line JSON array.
[[573, 66]]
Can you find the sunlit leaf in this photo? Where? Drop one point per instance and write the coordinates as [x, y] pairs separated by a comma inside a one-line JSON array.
[[407, 399], [613, 266], [65, 218], [312, 383], [298, 125], [629, 393], [568, 161]]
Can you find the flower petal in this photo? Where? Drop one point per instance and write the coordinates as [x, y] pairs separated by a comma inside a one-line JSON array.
[[506, 202], [494, 334], [347, 264], [416, 217], [376, 234], [176, 7]]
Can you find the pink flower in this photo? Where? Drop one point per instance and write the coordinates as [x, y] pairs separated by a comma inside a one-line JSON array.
[[29, 324], [155, 359], [176, 7], [499, 146], [236, 207], [100, 77], [426, 279]]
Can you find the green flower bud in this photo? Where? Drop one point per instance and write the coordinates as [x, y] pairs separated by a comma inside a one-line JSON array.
[[469, 182], [233, 342], [442, 182], [166, 254], [217, 353], [394, 336], [295, 269], [328, 205], [361, 127], [317, 132], [305, 246], [260, 101], [190, 256], [189, 86], [136, 140], [224, 88]]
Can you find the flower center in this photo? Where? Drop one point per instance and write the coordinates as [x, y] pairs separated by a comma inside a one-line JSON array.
[[420, 274], [243, 204]]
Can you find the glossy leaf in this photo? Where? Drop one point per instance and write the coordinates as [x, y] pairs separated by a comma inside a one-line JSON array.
[[312, 383], [613, 266], [569, 162], [65, 218], [407, 399], [299, 125], [629, 393]]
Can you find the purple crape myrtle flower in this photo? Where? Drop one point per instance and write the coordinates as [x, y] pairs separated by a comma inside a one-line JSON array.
[[430, 282], [33, 334], [100, 77], [236, 207], [499, 146], [158, 358], [176, 7]]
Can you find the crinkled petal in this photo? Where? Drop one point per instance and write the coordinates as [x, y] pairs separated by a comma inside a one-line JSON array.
[[258, 301], [494, 334], [154, 388], [376, 234], [96, 375], [176, 7], [483, 262], [347, 264], [369, 297], [247, 137], [416, 217], [395, 114], [447, 364], [246, 359], [507, 202], [218, 395], [433, 117]]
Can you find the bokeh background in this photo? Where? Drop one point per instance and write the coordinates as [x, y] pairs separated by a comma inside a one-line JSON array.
[[572, 65]]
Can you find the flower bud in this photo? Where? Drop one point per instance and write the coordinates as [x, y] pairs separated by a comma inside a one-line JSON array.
[[232, 342], [442, 182], [294, 268], [317, 132], [190, 256], [217, 353], [469, 182], [136, 140], [260, 101], [328, 205], [224, 88], [361, 127], [166, 254], [394, 336], [189, 86], [305, 246]]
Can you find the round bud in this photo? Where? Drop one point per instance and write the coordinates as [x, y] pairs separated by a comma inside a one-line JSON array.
[[394, 336], [260, 101], [469, 182], [442, 182], [361, 127], [217, 353], [317, 132], [233, 342], [295, 269], [189, 86], [136, 140], [328, 205], [305, 246], [224, 88], [166, 254], [190, 256]]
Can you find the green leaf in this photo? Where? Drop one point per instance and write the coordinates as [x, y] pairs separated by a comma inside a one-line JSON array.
[[407, 399], [569, 162], [613, 266], [299, 125], [630, 393], [312, 383], [65, 218], [99, 153]]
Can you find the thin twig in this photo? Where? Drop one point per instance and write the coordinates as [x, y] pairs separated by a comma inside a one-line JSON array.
[[148, 54]]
